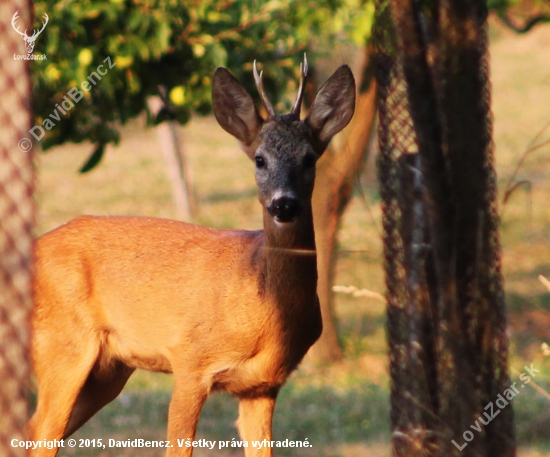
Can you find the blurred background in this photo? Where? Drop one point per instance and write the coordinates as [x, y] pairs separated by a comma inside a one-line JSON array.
[[111, 155]]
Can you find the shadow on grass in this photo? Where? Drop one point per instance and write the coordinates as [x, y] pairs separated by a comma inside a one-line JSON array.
[[326, 417], [532, 417], [517, 303], [322, 415]]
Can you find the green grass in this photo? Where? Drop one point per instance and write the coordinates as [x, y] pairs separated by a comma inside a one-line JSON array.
[[343, 410], [341, 417]]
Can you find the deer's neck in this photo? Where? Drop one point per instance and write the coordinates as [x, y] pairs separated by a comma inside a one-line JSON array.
[[289, 283], [289, 260]]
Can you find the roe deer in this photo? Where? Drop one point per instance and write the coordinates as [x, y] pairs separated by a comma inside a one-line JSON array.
[[225, 310]]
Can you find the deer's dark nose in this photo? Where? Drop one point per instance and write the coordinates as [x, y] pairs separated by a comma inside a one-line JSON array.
[[285, 209]]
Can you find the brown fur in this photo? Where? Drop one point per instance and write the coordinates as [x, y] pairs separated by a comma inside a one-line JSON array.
[[221, 310]]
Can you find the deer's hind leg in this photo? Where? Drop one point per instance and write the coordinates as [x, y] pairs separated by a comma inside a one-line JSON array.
[[101, 387], [61, 368]]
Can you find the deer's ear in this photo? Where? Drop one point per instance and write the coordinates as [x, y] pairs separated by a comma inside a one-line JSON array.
[[333, 106], [234, 108]]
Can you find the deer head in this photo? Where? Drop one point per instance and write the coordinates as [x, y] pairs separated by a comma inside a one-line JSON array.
[[29, 40], [284, 148]]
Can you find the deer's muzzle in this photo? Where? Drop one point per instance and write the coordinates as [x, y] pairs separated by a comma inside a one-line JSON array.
[[285, 209]]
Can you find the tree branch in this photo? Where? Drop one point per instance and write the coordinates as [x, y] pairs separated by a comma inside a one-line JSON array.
[[527, 25]]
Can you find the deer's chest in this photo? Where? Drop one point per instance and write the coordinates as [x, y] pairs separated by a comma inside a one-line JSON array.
[[272, 357]]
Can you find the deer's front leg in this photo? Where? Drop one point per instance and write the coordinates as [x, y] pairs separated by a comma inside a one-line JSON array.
[[255, 421], [185, 408]]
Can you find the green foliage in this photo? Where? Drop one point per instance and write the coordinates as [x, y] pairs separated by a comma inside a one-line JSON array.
[[500, 6], [168, 43]]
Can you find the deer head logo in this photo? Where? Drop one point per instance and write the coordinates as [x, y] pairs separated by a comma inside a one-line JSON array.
[[29, 40]]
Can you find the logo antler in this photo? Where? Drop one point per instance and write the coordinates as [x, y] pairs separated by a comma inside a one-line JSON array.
[[29, 40]]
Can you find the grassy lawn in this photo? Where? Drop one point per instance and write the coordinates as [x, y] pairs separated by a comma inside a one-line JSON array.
[[342, 410]]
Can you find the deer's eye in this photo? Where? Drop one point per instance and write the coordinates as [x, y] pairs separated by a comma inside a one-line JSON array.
[[309, 161], [260, 161]]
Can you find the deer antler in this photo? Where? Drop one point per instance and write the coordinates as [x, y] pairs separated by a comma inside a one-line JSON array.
[[38, 32], [303, 78], [261, 91], [13, 19]]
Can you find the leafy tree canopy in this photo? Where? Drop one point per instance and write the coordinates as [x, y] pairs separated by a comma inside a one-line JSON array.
[[174, 44]]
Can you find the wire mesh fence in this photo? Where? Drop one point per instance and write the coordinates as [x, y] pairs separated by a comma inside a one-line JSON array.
[[16, 221], [446, 316]]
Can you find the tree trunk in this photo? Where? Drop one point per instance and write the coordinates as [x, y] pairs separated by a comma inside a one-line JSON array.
[[446, 314], [169, 138], [336, 171], [178, 169]]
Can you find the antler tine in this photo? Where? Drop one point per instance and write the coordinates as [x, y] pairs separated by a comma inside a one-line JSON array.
[[16, 28], [303, 78], [44, 24], [261, 91]]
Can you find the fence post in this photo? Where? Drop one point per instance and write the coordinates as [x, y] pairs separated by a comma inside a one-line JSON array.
[[16, 223]]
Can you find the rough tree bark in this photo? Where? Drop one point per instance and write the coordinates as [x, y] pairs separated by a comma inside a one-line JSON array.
[[446, 315], [336, 171]]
